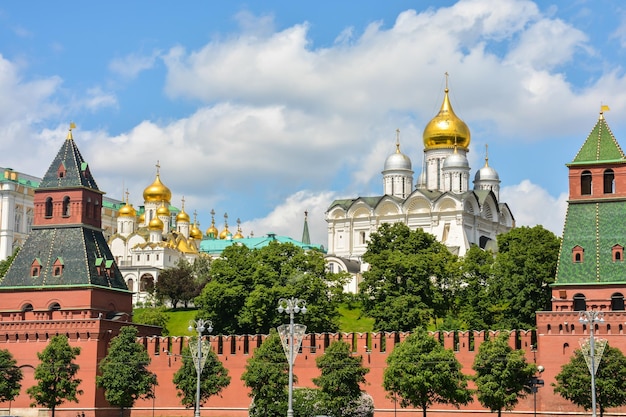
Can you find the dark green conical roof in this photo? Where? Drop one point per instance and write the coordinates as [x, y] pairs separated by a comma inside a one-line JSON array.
[[76, 173]]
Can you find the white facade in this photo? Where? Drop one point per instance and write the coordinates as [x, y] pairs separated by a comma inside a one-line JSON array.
[[441, 203]]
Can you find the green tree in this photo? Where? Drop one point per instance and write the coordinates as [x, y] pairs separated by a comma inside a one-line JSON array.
[[156, 316], [267, 376], [409, 275], [245, 285], [10, 376], [502, 374], [524, 269], [124, 373], [574, 381], [177, 284], [340, 381], [4, 265], [56, 375], [421, 372], [213, 379]]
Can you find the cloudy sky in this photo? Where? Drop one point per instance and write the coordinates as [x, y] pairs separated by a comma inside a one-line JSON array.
[[263, 110]]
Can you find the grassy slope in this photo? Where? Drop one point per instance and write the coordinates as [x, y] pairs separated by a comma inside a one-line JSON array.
[[351, 320]]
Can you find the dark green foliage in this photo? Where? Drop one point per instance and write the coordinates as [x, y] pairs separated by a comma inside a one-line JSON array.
[[56, 375], [10, 377], [245, 286], [156, 316], [213, 379], [420, 373], [409, 279], [4, 265], [574, 381], [524, 269], [340, 381], [502, 374], [177, 284], [124, 373], [267, 375]]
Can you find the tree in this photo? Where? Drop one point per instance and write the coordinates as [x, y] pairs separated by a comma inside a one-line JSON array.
[[124, 373], [409, 272], [177, 284], [213, 378], [56, 375], [340, 381], [422, 372], [524, 269], [574, 381], [4, 265], [502, 374], [245, 285], [153, 317], [267, 375], [10, 376]]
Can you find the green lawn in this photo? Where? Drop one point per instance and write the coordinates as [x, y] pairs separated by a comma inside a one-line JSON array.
[[350, 321]]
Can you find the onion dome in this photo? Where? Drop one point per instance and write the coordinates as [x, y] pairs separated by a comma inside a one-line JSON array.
[[212, 231], [446, 130], [486, 173], [155, 224], [195, 233], [183, 216], [142, 218], [163, 210], [397, 160], [127, 210], [156, 191], [456, 160], [225, 233]]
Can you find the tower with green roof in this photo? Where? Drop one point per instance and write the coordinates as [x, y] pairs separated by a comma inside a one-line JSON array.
[[591, 271]]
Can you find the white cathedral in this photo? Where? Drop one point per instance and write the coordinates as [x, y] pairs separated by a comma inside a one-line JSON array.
[[441, 203]]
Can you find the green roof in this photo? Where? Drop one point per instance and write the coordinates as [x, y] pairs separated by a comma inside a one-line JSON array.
[[76, 174], [600, 146], [215, 247], [596, 227]]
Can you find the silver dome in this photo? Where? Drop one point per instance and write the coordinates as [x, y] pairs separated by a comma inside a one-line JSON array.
[[396, 161], [456, 160], [487, 173]]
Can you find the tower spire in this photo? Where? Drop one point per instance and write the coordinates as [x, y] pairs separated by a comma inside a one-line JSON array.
[[306, 239]]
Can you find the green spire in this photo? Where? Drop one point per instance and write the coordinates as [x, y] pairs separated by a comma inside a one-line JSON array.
[[306, 239]]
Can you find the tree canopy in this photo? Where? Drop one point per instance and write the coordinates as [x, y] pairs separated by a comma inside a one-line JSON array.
[[502, 374], [409, 273], [10, 376], [267, 377], [574, 381], [124, 373], [56, 375], [421, 372], [246, 284], [177, 284]]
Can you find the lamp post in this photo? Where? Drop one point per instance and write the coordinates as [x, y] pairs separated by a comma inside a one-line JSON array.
[[592, 317], [291, 306], [200, 326], [535, 383]]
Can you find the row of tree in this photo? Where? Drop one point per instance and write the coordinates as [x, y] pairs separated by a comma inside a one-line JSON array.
[[420, 372]]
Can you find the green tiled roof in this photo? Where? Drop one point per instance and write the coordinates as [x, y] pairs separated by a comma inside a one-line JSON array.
[[77, 173], [216, 246], [600, 146], [596, 227], [80, 250]]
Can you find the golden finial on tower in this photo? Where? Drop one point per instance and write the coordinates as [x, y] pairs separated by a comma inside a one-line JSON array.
[[69, 133], [603, 108], [447, 75], [486, 154]]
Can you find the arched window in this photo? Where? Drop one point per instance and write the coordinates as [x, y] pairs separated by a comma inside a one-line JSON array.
[[578, 254], [585, 183], [27, 307], [580, 304], [618, 253], [66, 206], [88, 208], [617, 302], [130, 284], [54, 307], [49, 207], [609, 181]]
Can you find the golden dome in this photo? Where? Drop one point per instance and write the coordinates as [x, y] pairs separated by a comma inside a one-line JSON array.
[[163, 210], [155, 224], [224, 234], [238, 235], [157, 191], [182, 216], [446, 130], [142, 218], [195, 233], [212, 231], [127, 210]]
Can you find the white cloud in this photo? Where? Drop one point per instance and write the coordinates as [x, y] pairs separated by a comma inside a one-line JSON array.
[[131, 65]]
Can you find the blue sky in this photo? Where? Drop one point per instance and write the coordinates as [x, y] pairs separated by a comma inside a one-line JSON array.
[[263, 110]]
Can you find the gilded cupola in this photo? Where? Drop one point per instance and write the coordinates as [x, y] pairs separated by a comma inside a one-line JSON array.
[[157, 191], [446, 129], [239, 234], [163, 210], [225, 233], [212, 232], [155, 224], [195, 232], [183, 216], [127, 210]]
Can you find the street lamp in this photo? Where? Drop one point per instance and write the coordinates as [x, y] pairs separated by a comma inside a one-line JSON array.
[[535, 383], [592, 317], [291, 306], [200, 326]]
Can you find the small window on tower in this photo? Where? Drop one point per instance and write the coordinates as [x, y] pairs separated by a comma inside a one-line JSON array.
[[35, 268], [618, 253], [585, 183], [578, 254]]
